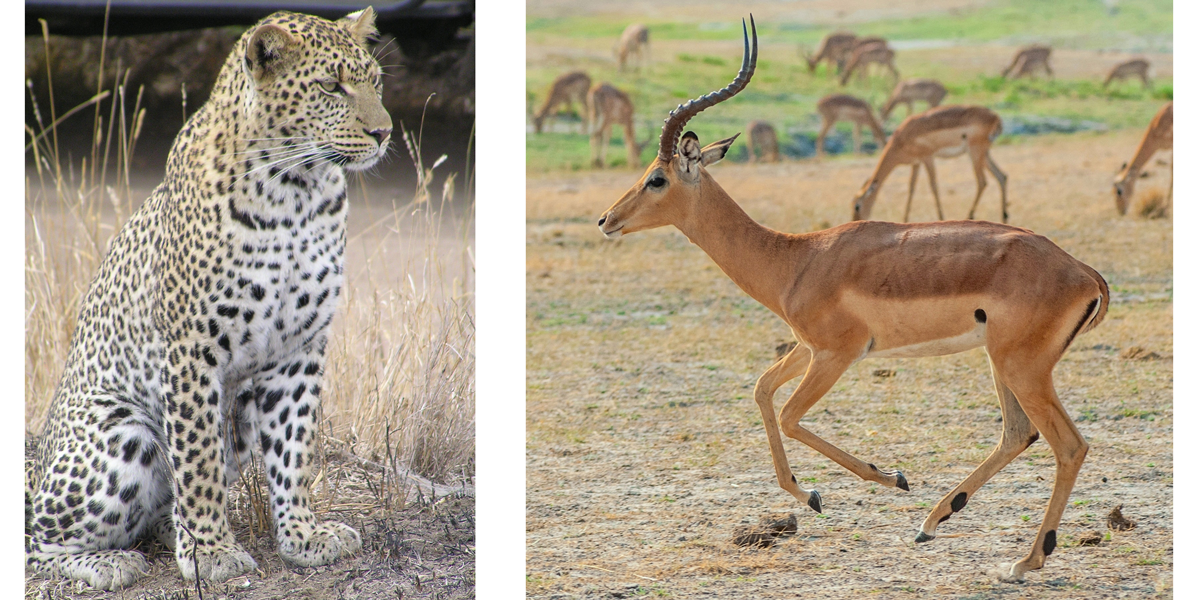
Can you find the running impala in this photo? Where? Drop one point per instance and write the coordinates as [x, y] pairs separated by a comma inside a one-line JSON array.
[[873, 289]]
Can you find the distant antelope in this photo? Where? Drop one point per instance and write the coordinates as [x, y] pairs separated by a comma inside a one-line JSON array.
[[568, 87], [634, 40], [760, 137], [834, 49], [873, 51], [1027, 59], [1138, 67], [844, 107], [912, 90], [608, 106], [944, 132], [1159, 136]]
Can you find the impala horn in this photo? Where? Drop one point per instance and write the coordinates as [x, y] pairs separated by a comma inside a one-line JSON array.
[[684, 112]]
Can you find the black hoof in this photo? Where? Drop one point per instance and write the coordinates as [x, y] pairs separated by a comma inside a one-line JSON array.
[[901, 482], [922, 538], [814, 501]]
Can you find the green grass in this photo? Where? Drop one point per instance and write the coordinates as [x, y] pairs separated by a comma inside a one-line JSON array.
[[784, 93]]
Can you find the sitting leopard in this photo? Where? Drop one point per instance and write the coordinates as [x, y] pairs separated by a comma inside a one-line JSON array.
[[205, 329]]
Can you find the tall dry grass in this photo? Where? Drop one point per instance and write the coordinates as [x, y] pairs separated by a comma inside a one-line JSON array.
[[399, 381]]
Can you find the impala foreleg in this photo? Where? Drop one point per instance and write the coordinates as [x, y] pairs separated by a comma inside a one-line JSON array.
[[1018, 434], [821, 138], [912, 188], [1040, 403], [787, 368], [1002, 179], [823, 372], [937, 201]]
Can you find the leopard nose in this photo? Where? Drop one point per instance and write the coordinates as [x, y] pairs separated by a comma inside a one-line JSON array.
[[381, 135]]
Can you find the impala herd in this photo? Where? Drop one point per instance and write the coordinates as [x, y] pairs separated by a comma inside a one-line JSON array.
[[870, 289]]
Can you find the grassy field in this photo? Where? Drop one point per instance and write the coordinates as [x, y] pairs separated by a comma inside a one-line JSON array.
[[645, 450], [396, 443], [965, 49]]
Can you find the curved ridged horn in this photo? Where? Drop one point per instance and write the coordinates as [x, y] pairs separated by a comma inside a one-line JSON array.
[[684, 112]]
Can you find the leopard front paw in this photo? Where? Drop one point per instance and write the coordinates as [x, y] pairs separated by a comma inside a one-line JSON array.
[[215, 563], [315, 545]]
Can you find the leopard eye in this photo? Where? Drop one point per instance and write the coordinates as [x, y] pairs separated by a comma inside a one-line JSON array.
[[330, 86]]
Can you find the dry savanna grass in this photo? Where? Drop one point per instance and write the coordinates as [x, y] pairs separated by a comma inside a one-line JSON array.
[[397, 425], [646, 452]]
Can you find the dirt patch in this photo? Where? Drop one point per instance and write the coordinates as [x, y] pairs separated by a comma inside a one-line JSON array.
[[646, 451]]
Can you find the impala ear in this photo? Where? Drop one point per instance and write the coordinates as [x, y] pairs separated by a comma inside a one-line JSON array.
[[361, 25], [715, 151]]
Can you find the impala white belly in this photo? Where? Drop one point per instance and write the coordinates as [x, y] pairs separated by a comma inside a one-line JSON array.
[[938, 347], [912, 327]]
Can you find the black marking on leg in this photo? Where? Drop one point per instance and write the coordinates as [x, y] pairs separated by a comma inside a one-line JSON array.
[[958, 502], [1033, 438], [923, 537], [1050, 542], [944, 517], [793, 479], [814, 501], [980, 316], [901, 482]]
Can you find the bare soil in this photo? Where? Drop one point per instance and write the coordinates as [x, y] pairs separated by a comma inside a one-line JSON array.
[[646, 452]]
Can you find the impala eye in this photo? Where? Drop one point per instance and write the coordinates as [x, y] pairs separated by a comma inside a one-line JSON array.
[[656, 181]]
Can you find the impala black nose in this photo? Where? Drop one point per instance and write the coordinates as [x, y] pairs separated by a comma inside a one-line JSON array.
[[601, 223]]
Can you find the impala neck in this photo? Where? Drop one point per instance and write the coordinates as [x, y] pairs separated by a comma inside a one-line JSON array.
[[758, 259]]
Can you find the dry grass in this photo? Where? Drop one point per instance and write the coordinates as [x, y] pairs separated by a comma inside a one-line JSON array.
[[1154, 203], [646, 451]]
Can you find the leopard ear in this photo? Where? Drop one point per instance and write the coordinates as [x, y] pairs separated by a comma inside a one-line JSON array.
[[264, 51], [361, 25]]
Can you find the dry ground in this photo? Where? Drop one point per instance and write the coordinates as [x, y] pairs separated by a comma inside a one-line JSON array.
[[645, 449]]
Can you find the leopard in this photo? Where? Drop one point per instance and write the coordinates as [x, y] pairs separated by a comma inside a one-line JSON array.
[[201, 341]]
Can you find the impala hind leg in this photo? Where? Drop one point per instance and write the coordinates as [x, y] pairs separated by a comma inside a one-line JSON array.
[[785, 369], [912, 188], [823, 372], [937, 201], [1017, 435], [1002, 179], [1035, 392]]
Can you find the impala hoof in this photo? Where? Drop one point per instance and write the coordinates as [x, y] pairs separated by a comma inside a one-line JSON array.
[[901, 482], [923, 537], [814, 501]]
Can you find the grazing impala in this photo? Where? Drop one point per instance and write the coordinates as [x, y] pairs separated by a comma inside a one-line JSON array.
[[867, 51], [568, 87], [1027, 59], [1138, 67], [945, 132], [1159, 136], [608, 106], [844, 107], [761, 140], [913, 90], [872, 289], [634, 40], [834, 49]]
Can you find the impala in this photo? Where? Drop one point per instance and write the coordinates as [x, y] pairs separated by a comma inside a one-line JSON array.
[[608, 106], [1138, 67], [913, 90], [568, 87], [844, 107], [834, 49], [761, 140], [867, 51], [870, 289], [945, 132], [634, 40], [1027, 59], [1159, 136]]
